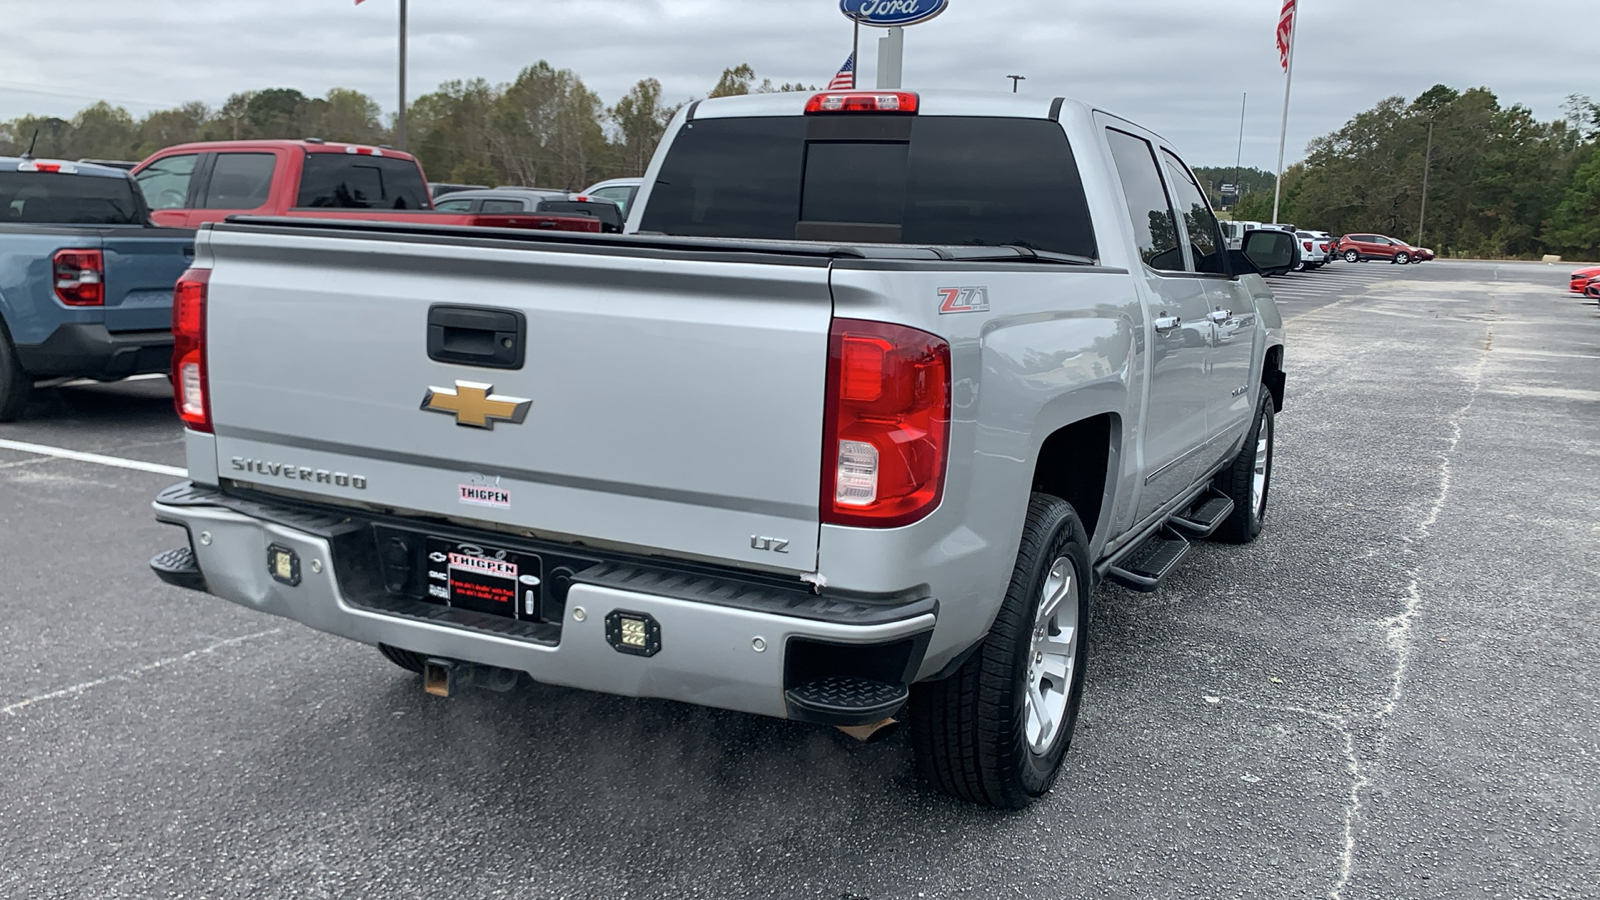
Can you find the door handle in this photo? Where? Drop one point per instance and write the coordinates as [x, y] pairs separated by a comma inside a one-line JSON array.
[[1167, 324], [474, 336], [1221, 315]]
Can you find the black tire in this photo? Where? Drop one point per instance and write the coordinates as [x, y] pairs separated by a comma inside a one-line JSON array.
[[1352, 256], [1402, 258], [969, 730], [16, 386], [1238, 479], [405, 659]]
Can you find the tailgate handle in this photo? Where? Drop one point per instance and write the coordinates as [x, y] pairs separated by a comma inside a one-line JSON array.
[[475, 336]]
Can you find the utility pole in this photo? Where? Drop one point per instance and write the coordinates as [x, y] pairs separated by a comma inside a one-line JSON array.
[[1015, 80], [1427, 164], [1238, 161], [400, 121]]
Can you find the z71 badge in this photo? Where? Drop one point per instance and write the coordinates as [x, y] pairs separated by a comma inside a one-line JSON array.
[[963, 300]]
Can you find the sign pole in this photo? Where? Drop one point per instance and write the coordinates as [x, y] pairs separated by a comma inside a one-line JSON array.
[[891, 58]]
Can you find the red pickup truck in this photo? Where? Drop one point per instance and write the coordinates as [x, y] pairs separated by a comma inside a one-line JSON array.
[[191, 184]]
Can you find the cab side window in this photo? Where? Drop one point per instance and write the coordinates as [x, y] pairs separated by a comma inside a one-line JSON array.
[[1155, 228], [1199, 224], [240, 181], [165, 182]]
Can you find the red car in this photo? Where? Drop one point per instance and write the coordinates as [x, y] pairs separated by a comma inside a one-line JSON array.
[[1582, 277], [1592, 289], [1359, 247]]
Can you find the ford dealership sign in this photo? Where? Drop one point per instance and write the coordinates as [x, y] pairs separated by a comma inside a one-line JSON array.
[[888, 13]]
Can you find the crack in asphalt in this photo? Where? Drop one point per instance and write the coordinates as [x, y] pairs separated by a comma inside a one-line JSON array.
[[1398, 637]]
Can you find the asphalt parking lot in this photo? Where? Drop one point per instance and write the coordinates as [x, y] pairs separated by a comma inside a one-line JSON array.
[[1389, 695]]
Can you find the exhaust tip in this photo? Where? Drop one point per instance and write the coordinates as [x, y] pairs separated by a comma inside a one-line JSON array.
[[880, 730]]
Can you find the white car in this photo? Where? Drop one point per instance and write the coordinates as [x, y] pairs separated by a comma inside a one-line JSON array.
[[620, 191]]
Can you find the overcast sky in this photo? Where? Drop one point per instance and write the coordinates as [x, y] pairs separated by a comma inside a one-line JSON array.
[[1176, 66]]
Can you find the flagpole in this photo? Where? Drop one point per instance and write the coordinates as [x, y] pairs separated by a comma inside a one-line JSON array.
[[855, 54], [400, 121], [1283, 133]]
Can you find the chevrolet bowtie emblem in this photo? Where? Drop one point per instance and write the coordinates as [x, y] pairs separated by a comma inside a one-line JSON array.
[[476, 405]]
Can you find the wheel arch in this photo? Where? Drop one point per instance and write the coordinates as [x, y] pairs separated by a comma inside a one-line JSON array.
[[1272, 376], [1076, 462]]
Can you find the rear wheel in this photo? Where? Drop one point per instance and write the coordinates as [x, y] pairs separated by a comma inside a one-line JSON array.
[[1248, 479], [996, 731], [16, 386], [1352, 256]]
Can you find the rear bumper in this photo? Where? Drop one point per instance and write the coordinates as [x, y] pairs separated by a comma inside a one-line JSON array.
[[741, 648], [90, 351]]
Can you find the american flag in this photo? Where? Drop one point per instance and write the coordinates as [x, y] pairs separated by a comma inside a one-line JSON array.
[[1285, 33], [846, 79]]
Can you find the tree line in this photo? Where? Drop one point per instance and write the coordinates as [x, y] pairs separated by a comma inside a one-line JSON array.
[[543, 129], [1501, 183]]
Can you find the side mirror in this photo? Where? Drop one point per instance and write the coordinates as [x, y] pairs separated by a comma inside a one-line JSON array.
[[1272, 252]]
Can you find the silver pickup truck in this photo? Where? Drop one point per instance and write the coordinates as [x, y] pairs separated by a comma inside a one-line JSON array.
[[875, 390]]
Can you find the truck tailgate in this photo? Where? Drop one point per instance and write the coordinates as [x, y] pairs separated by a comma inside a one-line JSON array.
[[676, 400], [141, 267]]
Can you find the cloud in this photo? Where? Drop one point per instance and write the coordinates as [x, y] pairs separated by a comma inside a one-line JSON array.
[[1176, 66]]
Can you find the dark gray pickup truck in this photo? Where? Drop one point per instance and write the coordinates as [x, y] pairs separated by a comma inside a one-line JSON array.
[[85, 279]]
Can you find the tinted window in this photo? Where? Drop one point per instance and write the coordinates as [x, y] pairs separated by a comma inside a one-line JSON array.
[[56, 199], [348, 181], [974, 181], [453, 205], [845, 182], [731, 178], [165, 182], [240, 180], [503, 206], [1154, 227], [1198, 222]]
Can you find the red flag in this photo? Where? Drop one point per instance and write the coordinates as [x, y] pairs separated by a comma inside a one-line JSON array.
[[1285, 32]]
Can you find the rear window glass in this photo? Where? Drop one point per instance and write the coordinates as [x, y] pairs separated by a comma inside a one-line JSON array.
[[51, 198], [348, 181], [958, 180]]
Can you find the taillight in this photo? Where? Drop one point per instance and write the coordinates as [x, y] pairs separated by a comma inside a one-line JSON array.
[[80, 277], [886, 430], [190, 388], [1308, 245], [863, 101]]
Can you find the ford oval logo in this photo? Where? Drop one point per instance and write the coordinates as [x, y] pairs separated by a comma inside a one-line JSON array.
[[888, 13]]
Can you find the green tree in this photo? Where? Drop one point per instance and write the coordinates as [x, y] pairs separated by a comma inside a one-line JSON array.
[[1575, 227], [735, 82], [640, 120]]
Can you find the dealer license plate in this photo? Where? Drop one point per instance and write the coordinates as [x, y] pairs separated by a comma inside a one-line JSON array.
[[485, 579]]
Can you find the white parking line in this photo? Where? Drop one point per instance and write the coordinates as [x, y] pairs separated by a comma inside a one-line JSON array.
[[97, 459], [135, 672]]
